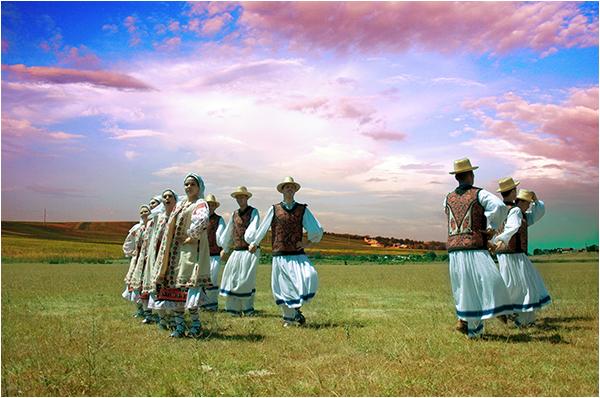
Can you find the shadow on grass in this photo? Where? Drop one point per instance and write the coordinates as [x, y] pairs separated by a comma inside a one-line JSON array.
[[558, 323], [333, 324], [524, 338], [250, 337]]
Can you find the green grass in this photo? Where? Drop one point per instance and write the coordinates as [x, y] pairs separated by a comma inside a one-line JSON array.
[[22, 249], [372, 330]]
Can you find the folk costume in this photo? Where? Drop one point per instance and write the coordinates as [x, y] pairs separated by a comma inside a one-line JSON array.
[[132, 248], [238, 283], [478, 289], [214, 231], [294, 280], [524, 283], [183, 261], [148, 286]]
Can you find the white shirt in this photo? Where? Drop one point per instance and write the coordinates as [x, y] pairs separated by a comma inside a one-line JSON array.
[[312, 226]]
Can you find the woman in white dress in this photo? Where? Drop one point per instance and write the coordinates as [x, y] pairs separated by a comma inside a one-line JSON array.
[[293, 278], [132, 248], [168, 202], [524, 283], [183, 259], [238, 284]]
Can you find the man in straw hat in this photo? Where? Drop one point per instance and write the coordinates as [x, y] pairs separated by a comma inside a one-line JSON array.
[[293, 278], [524, 283], [215, 229], [478, 289], [238, 283]]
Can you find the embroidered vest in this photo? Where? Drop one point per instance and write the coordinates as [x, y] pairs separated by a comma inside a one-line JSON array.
[[213, 224], [286, 229], [241, 220], [466, 221], [518, 242]]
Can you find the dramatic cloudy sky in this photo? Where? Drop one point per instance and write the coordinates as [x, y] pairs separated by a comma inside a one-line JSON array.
[[365, 104]]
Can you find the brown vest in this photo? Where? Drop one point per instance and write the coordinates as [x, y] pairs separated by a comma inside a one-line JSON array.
[[241, 220], [213, 224], [518, 242], [286, 229], [466, 221]]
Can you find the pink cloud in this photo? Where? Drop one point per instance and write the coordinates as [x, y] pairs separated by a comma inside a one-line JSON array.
[[66, 76], [566, 131], [211, 8], [481, 27], [235, 72], [110, 28], [174, 26], [80, 57], [214, 25], [130, 24], [386, 136], [168, 44], [341, 108]]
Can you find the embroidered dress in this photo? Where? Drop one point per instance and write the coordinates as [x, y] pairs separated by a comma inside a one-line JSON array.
[[294, 280], [131, 248], [525, 285], [478, 289], [238, 283], [180, 265]]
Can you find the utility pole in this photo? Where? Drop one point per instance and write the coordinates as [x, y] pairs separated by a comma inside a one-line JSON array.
[[44, 216]]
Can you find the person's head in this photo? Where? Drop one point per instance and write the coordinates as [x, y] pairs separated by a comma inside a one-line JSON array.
[[508, 188], [288, 187], [510, 195], [194, 186], [463, 171], [169, 199], [466, 178], [212, 203], [524, 199], [155, 201], [144, 212], [241, 195]]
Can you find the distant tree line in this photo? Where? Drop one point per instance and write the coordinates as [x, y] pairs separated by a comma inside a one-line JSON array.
[[558, 250]]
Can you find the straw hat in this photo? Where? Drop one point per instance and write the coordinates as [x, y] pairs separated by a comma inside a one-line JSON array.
[[287, 180], [210, 198], [241, 191], [506, 184], [524, 194], [463, 165]]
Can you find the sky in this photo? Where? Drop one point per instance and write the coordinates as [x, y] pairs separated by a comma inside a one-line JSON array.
[[365, 104]]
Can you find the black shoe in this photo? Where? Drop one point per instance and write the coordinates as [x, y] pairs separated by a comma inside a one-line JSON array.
[[300, 318]]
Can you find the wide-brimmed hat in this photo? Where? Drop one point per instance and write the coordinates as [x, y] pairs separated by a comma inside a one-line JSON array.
[[506, 184], [463, 165], [241, 191], [287, 180], [210, 198], [525, 194]]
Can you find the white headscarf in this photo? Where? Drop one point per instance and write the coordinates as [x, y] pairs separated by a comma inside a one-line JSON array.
[[198, 180]]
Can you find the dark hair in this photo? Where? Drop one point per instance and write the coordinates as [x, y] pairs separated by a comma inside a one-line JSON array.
[[505, 194], [461, 177]]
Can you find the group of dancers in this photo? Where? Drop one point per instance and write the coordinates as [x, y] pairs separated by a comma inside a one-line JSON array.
[[177, 247], [480, 222]]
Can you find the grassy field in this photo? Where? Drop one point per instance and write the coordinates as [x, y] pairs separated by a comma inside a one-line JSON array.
[[372, 330]]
